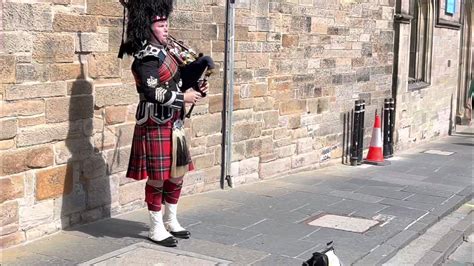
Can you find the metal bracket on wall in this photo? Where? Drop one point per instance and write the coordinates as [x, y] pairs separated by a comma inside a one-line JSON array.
[[403, 18]]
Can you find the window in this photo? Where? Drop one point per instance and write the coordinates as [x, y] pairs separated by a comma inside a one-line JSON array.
[[421, 37]]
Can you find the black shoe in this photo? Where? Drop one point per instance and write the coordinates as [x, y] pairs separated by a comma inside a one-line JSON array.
[[181, 234], [167, 242]]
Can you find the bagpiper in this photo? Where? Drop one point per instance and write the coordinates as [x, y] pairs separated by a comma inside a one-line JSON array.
[[159, 151]]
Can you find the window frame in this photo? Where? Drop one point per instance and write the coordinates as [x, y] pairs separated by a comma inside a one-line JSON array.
[[421, 43]]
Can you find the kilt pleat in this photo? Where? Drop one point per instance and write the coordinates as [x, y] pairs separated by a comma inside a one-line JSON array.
[[151, 152]]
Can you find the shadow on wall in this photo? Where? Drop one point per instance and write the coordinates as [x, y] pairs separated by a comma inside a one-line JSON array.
[[87, 191]]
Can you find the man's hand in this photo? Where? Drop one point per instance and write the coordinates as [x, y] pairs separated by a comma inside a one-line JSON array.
[[191, 96], [204, 87]]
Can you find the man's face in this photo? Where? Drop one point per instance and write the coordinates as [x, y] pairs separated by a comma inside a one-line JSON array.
[[160, 31]]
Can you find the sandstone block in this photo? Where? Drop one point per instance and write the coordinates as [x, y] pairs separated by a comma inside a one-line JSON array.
[[215, 103], [243, 115], [50, 132], [32, 72], [98, 192], [8, 128], [13, 162], [117, 160], [53, 47], [7, 144], [54, 182], [245, 131], [114, 95], [257, 60], [18, 92], [302, 160], [7, 69], [304, 145], [92, 42], [263, 103], [273, 168], [9, 229], [270, 119], [286, 151], [131, 192], [12, 187], [26, 16], [43, 230], [206, 125], [238, 151], [40, 213], [124, 134], [323, 105], [15, 42], [115, 114], [204, 161], [290, 40], [8, 213], [12, 239], [73, 150], [61, 72], [21, 108], [104, 141], [74, 23], [114, 39], [69, 108], [249, 166], [101, 8], [40, 157], [94, 166], [259, 89], [104, 65], [292, 106]]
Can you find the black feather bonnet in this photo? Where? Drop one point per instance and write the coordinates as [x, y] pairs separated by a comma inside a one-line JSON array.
[[140, 15]]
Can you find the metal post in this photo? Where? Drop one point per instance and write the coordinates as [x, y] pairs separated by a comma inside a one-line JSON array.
[[386, 128], [228, 95], [392, 124], [360, 144], [344, 128], [355, 133]]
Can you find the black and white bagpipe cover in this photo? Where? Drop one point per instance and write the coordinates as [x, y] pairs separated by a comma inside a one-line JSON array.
[[325, 258], [194, 72]]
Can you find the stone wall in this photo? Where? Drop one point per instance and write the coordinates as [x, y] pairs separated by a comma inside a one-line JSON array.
[[68, 103], [425, 114]]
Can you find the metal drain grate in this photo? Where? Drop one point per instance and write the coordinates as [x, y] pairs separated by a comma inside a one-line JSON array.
[[345, 223], [439, 152]]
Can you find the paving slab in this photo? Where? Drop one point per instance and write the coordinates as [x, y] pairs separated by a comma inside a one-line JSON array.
[[149, 254]]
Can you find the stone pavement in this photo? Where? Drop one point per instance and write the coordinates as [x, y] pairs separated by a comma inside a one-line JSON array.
[[268, 223], [441, 240]]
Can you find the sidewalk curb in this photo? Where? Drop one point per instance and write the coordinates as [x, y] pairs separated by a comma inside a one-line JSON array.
[[388, 249], [448, 243]]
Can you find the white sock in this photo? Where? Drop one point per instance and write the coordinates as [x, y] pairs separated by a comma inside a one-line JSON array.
[[170, 220], [157, 229]]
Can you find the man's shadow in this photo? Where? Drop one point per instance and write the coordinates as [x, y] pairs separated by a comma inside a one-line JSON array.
[[89, 189]]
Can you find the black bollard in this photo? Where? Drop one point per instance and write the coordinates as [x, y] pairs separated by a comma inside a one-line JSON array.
[[355, 133], [392, 125], [386, 128], [360, 143]]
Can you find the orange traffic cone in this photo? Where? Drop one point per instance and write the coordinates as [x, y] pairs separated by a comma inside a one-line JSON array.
[[375, 155]]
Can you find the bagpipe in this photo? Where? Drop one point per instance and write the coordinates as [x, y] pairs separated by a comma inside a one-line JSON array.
[[195, 68]]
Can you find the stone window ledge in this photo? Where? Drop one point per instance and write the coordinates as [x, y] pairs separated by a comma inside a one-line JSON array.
[[415, 85]]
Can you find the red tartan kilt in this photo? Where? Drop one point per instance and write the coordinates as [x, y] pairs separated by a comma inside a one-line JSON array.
[[151, 151]]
